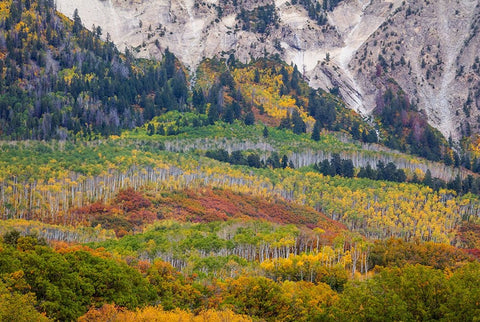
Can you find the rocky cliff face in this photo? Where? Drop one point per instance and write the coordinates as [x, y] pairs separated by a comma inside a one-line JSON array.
[[429, 48]]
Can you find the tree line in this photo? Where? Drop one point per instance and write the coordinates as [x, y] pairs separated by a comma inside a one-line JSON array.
[[251, 159], [390, 172]]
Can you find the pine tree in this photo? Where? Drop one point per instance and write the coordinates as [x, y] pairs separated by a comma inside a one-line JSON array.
[[212, 114], [228, 117], [347, 169], [428, 178], [249, 118], [316, 131], [265, 132], [284, 161], [150, 129], [77, 22], [256, 77], [298, 123], [161, 130]]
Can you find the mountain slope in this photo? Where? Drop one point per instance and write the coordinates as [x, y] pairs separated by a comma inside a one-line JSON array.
[[338, 47], [58, 80], [131, 191], [431, 50]]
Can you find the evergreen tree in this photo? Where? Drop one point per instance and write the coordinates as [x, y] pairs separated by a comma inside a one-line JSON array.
[[326, 168], [455, 184], [228, 117], [298, 123], [265, 132], [355, 131], [370, 172], [336, 164], [150, 129], [427, 180], [198, 100], [212, 114], [316, 131], [237, 157], [77, 23], [380, 170], [285, 123], [401, 176], [284, 161], [274, 161], [294, 82], [249, 118], [348, 169], [253, 160], [231, 60], [256, 77]]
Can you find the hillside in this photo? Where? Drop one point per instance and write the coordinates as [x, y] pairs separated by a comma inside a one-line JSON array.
[[347, 44], [141, 189], [68, 176], [61, 81]]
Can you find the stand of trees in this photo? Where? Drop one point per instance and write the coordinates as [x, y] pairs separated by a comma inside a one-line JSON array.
[[317, 10], [69, 282], [389, 172], [251, 159], [408, 129], [59, 80], [32, 188], [259, 19]]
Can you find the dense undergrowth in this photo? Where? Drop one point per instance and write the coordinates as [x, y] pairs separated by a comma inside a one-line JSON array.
[[64, 282]]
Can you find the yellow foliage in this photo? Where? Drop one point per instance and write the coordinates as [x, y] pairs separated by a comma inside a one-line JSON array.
[[5, 8], [21, 27], [68, 74], [474, 145], [266, 93], [156, 313], [311, 297], [420, 174], [89, 77]]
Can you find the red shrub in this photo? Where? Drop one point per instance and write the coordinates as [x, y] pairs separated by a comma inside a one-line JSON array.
[[129, 200]]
